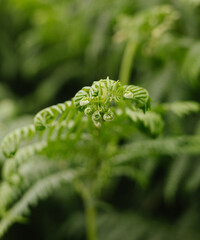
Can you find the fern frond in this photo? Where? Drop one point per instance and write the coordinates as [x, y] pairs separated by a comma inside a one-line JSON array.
[[174, 146], [132, 173], [66, 128], [8, 195], [96, 101], [24, 177], [46, 116], [22, 156], [150, 122], [37, 169], [139, 95], [11, 142], [41, 190], [181, 108]]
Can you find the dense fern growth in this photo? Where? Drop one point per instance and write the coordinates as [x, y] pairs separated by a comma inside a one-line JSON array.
[[117, 167]]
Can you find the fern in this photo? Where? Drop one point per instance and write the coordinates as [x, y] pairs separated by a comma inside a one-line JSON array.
[[41, 190], [106, 129], [175, 146], [180, 108], [48, 115], [11, 142], [22, 156], [149, 122], [96, 101], [75, 145], [63, 123], [24, 177]]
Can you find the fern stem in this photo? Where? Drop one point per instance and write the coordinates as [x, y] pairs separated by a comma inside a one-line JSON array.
[[90, 219], [127, 61], [89, 206]]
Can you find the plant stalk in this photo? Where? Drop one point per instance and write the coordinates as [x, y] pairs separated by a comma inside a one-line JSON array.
[[127, 61], [90, 219], [90, 212]]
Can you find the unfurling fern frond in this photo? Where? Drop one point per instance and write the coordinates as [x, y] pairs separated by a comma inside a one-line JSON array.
[[11, 142], [41, 190], [139, 95], [96, 101], [46, 116]]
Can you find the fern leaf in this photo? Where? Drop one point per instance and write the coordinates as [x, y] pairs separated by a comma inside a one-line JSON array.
[[8, 195], [162, 146], [182, 108], [24, 177], [150, 122], [46, 116], [139, 95], [41, 190], [11, 142], [20, 158]]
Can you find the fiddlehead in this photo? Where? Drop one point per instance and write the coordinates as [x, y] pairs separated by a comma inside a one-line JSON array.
[[96, 101], [139, 95]]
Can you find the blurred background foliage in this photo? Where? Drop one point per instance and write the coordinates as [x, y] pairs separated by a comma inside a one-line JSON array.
[[50, 49]]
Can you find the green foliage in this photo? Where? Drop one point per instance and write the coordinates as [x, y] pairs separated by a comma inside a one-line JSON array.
[[53, 122], [97, 99], [71, 142], [149, 24], [40, 190], [12, 141], [179, 108], [144, 162]]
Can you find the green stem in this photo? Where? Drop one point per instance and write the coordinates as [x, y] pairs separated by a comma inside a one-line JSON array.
[[89, 210], [90, 219], [127, 62]]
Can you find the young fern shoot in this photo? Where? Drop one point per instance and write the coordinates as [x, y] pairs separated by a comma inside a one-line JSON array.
[[96, 101]]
